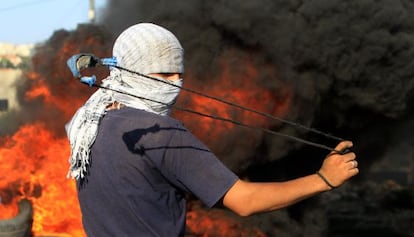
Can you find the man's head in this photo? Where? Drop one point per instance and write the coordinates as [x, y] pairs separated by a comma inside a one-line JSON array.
[[152, 50], [148, 48], [144, 48]]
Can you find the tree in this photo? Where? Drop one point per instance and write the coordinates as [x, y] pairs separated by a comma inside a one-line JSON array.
[[5, 63]]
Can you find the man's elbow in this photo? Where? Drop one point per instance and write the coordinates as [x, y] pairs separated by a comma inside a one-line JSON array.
[[239, 199], [242, 211]]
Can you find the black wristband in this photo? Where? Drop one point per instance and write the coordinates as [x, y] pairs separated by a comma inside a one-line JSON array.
[[325, 180]]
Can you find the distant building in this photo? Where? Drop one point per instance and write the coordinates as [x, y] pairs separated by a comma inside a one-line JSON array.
[[8, 79], [24, 50], [4, 104], [11, 58]]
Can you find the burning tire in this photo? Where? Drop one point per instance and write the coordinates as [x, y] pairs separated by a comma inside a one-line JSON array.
[[21, 225]]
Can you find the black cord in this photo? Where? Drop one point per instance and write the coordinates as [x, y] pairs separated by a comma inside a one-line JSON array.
[[228, 120], [238, 106], [325, 180]]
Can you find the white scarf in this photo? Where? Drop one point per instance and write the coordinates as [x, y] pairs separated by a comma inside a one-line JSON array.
[[83, 127]]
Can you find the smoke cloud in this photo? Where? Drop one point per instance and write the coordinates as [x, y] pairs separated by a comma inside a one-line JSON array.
[[341, 67], [344, 67], [348, 63]]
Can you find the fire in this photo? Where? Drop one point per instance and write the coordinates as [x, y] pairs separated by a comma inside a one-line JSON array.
[[40, 90], [217, 222], [34, 160], [241, 88], [36, 163], [8, 211]]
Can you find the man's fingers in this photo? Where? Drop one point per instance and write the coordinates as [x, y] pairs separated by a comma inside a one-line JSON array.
[[354, 171], [353, 164], [342, 146], [349, 157]]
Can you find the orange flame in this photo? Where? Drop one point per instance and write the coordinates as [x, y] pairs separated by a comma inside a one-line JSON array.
[[35, 156], [242, 89], [8, 211], [217, 222], [33, 161]]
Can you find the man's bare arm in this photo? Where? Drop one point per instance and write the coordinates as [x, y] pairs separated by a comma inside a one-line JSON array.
[[246, 198]]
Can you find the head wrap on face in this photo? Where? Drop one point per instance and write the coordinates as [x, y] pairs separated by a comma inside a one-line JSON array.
[[145, 48], [148, 48]]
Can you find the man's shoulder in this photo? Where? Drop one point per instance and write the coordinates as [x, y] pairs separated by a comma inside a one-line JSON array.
[[142, 115]]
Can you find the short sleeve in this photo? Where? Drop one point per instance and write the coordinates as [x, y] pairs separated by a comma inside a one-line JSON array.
[[193, 167]]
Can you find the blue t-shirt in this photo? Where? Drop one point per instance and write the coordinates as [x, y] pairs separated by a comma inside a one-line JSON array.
[[142, 166]]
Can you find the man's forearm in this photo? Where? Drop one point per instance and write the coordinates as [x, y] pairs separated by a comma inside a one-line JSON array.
[[246, 198]]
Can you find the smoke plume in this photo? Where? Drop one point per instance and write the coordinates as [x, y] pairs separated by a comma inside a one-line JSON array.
[[343, 67], [346, 65]]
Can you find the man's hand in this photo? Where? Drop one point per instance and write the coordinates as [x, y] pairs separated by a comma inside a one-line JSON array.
[[246, 198], [338, 168]]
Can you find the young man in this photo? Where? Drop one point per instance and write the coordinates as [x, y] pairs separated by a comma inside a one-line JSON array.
[[134, 164]]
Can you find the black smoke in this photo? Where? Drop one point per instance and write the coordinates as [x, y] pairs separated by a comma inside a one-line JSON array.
[[349, 62], [349, 65]]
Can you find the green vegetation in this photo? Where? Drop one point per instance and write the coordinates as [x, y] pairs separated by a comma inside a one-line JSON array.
[[5, 63], [24, 64]]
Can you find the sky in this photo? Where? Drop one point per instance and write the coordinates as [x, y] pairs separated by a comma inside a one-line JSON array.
[[34, 21]]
